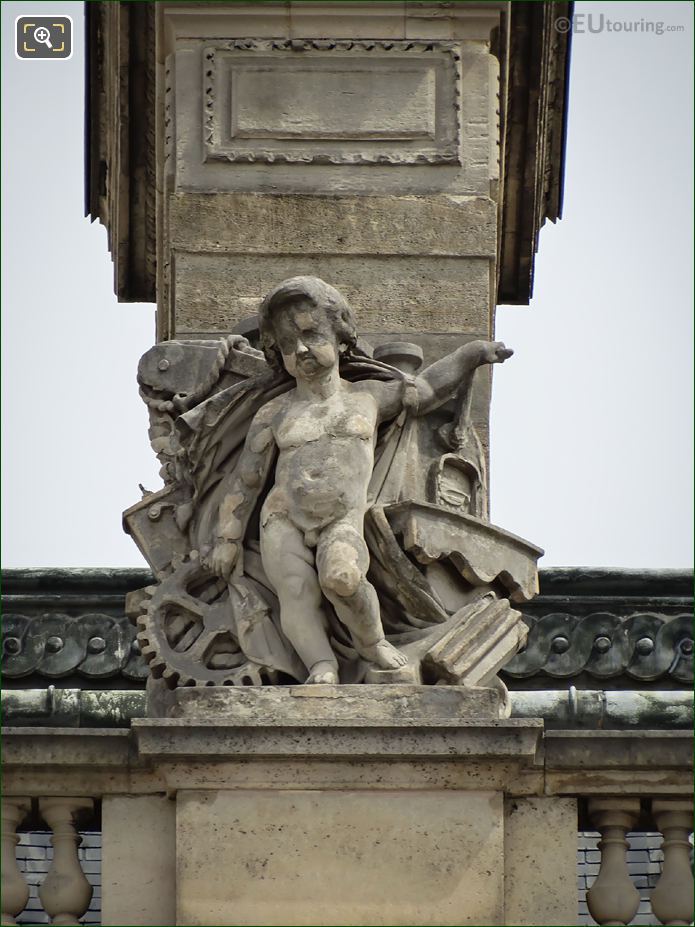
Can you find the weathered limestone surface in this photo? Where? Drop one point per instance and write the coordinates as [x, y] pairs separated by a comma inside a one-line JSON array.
[[138, 870], [455, 153], [618, 762], [255, 223], [216, 291], [339, 804], [194, 738], [307, 857], [505, 755], [540, 861], [398, 259], [317, 705]]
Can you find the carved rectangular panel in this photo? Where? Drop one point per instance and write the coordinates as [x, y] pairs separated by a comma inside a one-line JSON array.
[[332, 102], [325, 102]]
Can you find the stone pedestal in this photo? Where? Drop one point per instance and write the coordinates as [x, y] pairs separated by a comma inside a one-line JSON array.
[[340, 805], [138, 860], [304, 856]]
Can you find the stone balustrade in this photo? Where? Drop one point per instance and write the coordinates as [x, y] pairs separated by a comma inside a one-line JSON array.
[[613, 899], [672, 899], [408, 775], [65, 892], [15, 891]]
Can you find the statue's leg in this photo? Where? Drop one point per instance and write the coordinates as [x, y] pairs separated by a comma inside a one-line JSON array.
[[289, 565], [342, 559]]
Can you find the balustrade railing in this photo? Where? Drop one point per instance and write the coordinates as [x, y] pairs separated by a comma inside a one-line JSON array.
[[672, 899], [613, 898], [15, 891], [65, 892]]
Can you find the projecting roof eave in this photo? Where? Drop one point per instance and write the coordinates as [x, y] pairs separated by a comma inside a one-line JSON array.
[[534, 92]]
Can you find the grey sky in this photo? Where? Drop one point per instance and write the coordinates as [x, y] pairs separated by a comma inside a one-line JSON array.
[[592, 419]]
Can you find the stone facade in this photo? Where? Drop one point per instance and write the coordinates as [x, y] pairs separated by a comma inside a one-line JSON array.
[[409, 152], [65, 744]]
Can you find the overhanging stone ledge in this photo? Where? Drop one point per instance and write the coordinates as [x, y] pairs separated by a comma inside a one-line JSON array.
[[66, 746], [517, 739], [639, 762], [145, 760], [619, 749]]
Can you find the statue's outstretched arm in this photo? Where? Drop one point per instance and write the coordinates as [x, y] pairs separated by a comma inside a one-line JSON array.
[[243, 491], [438, 382]]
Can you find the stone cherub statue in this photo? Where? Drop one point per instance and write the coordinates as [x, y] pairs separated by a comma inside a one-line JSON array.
[[323, 432], [300, 536]]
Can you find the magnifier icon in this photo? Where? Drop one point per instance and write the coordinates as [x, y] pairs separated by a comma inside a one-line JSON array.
[[43, 36]]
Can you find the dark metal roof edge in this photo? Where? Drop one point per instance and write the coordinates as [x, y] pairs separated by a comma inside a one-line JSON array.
[[616, 581], [528, 204], [87, 127], [570, 581], [73, 580], [565, 121]]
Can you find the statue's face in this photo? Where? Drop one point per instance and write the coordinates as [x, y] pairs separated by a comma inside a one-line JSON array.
[[307, 341]]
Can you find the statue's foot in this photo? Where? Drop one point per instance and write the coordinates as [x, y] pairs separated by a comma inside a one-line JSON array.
[[384, 655], [323, 673]]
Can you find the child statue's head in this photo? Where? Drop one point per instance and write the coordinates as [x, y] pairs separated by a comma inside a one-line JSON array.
[[301, 297]]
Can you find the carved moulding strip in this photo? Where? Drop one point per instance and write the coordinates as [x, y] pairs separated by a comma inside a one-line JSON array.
[[55, 645], [425, 79], [643, 646]]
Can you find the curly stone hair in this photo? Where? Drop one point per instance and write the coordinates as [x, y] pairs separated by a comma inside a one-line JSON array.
[[322, 296]]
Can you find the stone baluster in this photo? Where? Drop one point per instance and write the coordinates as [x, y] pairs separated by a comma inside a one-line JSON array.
[[672, 899], [65, 892], [15, 891], [613, 899]]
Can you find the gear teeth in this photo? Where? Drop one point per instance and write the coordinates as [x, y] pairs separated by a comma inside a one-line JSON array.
[[170, 676], [174, 668]]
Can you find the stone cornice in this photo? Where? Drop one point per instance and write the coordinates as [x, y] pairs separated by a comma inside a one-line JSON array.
[[516, 756]]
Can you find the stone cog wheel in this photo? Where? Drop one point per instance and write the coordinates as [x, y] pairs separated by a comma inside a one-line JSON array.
[[187, 633]]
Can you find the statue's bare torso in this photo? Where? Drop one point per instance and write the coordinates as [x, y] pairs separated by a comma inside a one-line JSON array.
[[326, 456]]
